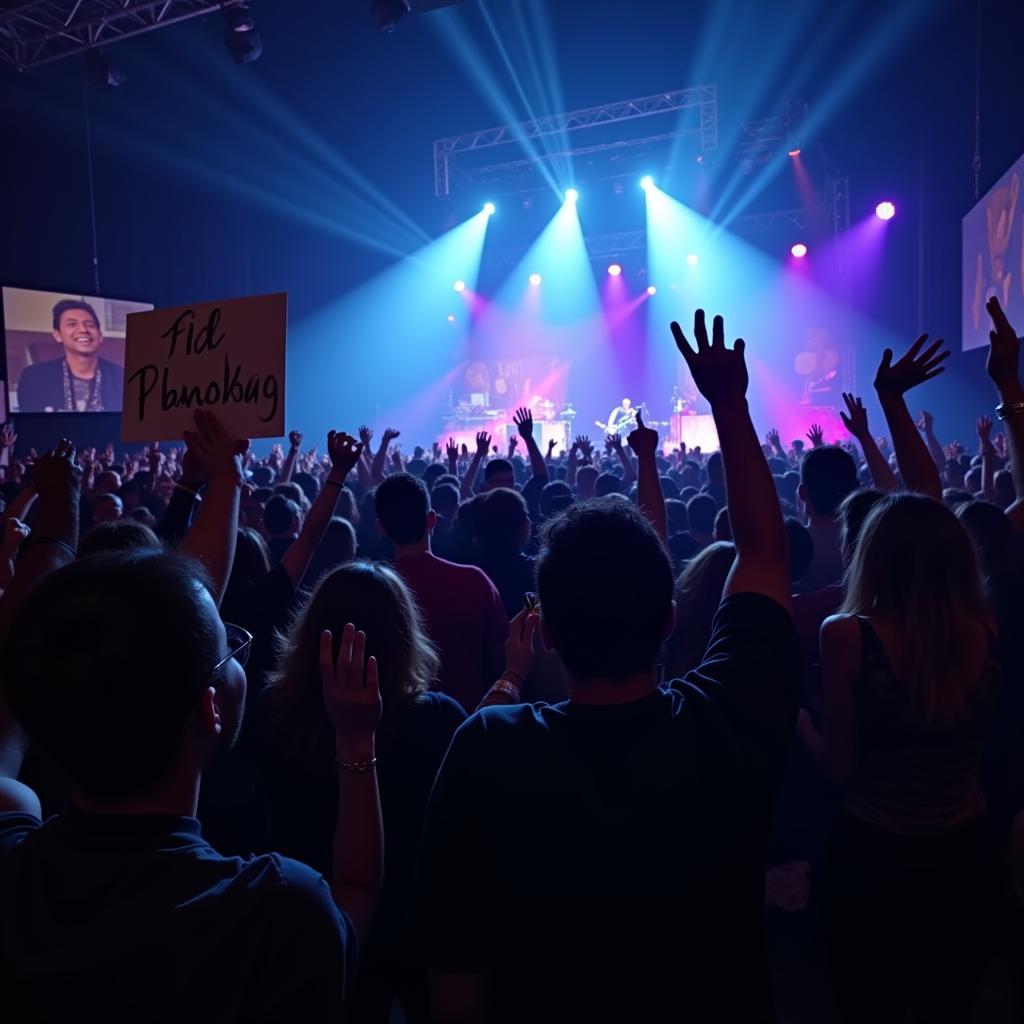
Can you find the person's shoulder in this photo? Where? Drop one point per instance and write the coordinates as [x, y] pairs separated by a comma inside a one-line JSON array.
[[40, 373], [114, 369], [513, 719], [15, 827], [434, 702], [293, 889], [840, 629], [759, 611]]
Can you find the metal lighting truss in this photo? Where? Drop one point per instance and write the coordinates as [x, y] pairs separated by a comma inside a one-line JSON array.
[[703, 98], [35, 32]]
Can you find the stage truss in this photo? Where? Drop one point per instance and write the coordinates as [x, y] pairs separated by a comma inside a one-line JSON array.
[[37, 32], [702, 98]]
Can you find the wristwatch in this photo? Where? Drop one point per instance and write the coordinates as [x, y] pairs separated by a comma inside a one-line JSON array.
[[1009, 409]]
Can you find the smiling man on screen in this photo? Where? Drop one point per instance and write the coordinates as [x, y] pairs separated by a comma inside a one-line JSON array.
[[79, 382]]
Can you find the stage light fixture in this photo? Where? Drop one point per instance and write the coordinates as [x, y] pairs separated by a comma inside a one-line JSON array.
[[885, 210], [647, 183], [242, 40], [459, 286], [571, 195], [651, 290], [799, 250], [614, 270], [795, 152], [692, 260], [102, 71], [489, 209], [451, 318], [535, 279]]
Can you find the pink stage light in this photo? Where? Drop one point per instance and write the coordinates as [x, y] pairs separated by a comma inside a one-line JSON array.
[[799, 250], [651, 290], [795, 152], [535, 279], [614, 270], [885, 210]]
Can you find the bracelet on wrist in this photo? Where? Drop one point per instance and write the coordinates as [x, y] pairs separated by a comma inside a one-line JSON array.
[[1005, 409], [359, 767], [509, 689]]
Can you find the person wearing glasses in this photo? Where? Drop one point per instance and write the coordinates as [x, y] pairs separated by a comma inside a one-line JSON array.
[[120, 670]]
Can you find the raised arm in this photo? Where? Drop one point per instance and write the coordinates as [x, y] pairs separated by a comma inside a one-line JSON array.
[[344, 452], [987, 451], [452, 454], [892, 381], [523, 420], [483, 446], [644, 441], [926, 424], [377, 469], [762, 555], [214, 531], [288, 469], [573, 464], [352, 701], [1003, 368], [614, 442], [855, 419]]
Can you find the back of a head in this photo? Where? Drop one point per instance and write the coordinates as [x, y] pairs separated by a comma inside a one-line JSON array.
[[669, 488], [499, 473], [263, 476], [502, 520], [444, 499], [586, 480], [281, 515], [309, 485], [109, 702], [375, 600], [676, 512], [416, 467], [337, 547], [723, 525], [698, 594], [852, 512], [828, 475], [432, 472], [607, 483], [701, 511], [916, 565], [954, 497], [592, 549], [119, 535], [555, 497], [402, 504], [993, 536], [290, 490]]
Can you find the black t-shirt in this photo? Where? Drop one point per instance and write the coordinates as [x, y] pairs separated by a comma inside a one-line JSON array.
[[117, 917], [607, 860]]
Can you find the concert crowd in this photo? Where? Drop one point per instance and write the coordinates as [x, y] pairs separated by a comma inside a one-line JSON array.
[[370, 731]]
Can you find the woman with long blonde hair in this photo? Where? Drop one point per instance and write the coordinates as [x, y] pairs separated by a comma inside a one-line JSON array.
[[415, 731], [910, 668]]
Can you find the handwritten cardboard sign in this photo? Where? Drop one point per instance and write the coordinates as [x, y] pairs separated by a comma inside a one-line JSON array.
[[226, 357]]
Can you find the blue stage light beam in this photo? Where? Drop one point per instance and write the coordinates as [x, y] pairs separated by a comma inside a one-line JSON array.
[[383, 344]]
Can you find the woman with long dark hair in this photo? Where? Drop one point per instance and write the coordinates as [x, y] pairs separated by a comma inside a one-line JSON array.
[[415, 731]]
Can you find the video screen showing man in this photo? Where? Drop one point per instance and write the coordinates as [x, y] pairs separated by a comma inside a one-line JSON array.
[[65, 354]]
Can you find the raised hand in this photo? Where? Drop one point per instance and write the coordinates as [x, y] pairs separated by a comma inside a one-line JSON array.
[[216, 451], [552, 445], [523, 419], [643, 440], [295, 439], [7, 436], [519, 645], [389, 435], [1004, 348], [773, 439], [914, 367], [365, 435], [855, 419], [613, 442], [984, 427], [15, 531], [344, 451], [351, 693], [512, 442], [925, 422], [816, 436], [452, 451], [55, 475], [584, 445], [719, 373], [483, 443]]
